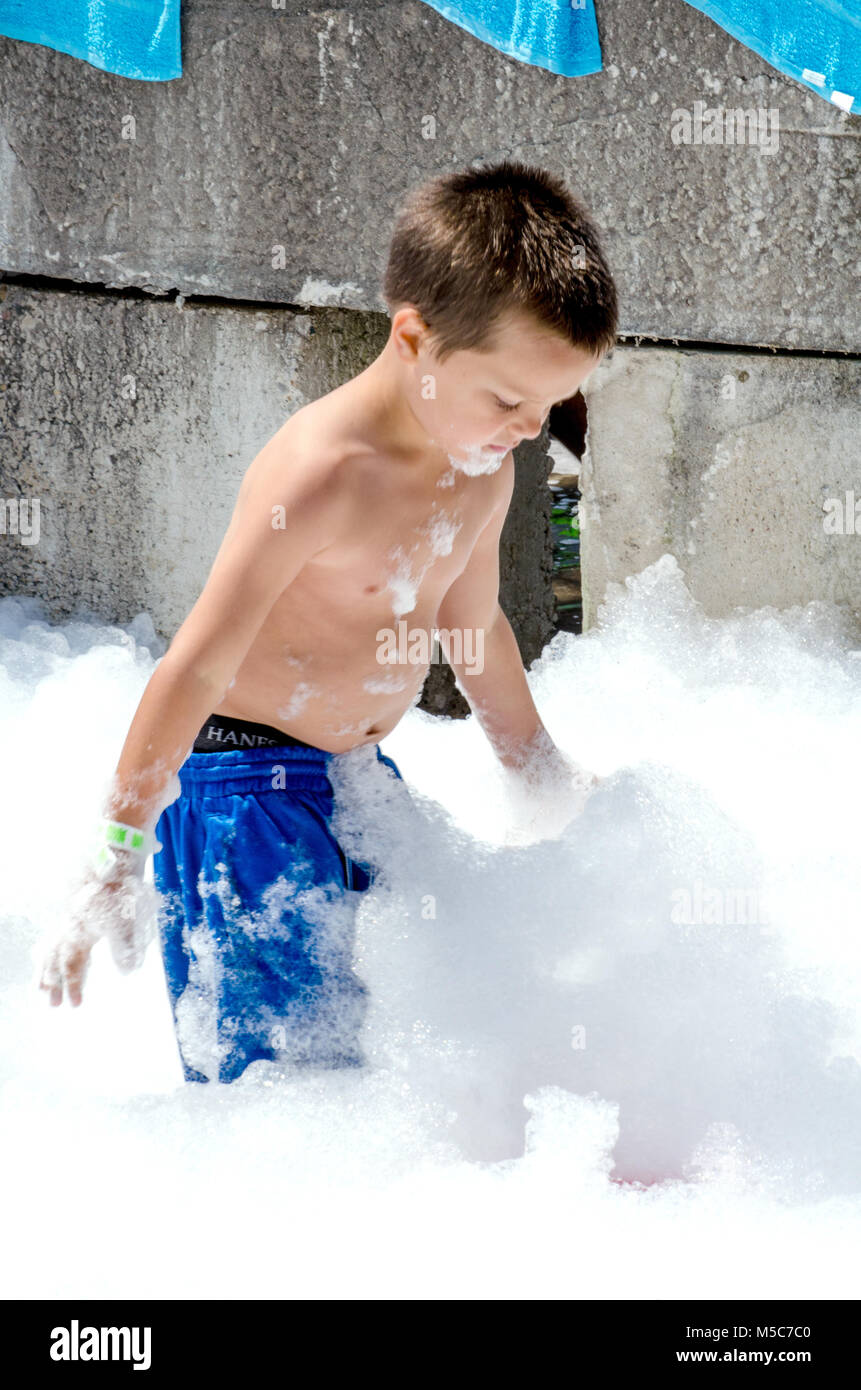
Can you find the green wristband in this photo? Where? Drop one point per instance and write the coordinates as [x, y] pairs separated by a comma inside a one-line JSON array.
[[114, 836], [118, 836]]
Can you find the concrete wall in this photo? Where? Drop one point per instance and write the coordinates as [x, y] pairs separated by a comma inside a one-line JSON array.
[[265, 180], [300, 128], [727, 460], [132, 421]]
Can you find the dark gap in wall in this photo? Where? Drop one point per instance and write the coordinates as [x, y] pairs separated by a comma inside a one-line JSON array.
[[567, 426], [94, 287], [49, 282], [641, 340]]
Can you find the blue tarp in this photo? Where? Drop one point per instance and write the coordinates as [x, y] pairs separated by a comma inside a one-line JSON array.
[[818, 42], [555, 34], [133, 38]]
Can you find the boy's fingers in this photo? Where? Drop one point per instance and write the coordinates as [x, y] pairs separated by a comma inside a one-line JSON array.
[[122, 948], [66, 965], [101, 909], [52, 980], [75, 970], [50, 973]]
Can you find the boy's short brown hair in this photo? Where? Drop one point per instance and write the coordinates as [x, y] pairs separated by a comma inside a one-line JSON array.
[[468, 247]]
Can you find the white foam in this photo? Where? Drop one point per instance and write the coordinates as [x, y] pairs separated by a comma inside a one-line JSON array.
[[442, 531], [408, 572], [471, 1156], [403, 584], [478, 460], [304, 692], [384, 685]]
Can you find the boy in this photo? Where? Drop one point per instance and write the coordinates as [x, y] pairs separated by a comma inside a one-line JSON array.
[[383, 500]]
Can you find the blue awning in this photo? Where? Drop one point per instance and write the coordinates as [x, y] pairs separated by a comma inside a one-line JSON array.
[[132, 38], [558, 35]]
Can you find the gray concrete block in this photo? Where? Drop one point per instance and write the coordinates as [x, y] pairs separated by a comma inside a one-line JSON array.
[[131, 421], [727, 461], [272, 168]]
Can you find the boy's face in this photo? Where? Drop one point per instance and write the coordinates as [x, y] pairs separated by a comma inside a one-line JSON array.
[[478, 405]]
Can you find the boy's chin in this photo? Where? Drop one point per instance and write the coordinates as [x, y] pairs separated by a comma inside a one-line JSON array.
[[475, 458]]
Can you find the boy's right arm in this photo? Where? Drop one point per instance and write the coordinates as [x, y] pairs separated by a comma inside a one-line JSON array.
[[284, 514], [257, 560]]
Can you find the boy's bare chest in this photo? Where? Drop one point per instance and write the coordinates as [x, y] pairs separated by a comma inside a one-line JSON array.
[[403, 550]]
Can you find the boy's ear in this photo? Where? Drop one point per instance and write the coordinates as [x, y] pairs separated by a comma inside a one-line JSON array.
[[567, 423]]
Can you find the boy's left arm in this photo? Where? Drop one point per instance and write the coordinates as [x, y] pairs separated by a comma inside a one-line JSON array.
[[493, 680]]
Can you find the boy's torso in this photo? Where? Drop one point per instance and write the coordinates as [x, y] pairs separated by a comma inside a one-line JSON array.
[[315, 669]]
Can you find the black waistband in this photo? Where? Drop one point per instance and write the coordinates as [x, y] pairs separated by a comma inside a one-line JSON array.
[[221, 733]]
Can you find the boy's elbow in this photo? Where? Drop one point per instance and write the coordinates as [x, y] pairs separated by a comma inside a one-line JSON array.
[[471, 618], [487, 622], [201, 670], [495, 617]]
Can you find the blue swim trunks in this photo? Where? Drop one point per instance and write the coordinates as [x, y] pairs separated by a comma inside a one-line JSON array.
[[257, 913]]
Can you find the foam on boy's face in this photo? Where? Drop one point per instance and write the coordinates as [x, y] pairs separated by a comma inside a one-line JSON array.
[[478, 405]]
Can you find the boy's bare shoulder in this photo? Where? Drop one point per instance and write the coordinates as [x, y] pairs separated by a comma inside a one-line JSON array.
[[303, 445], [308, 452]]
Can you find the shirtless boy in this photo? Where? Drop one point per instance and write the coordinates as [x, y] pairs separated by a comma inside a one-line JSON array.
[[384, 500]]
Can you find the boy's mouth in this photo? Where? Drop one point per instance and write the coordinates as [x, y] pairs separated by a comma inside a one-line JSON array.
[[480, 458]]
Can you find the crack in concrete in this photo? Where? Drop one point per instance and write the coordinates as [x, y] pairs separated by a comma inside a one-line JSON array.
[[97, 288]]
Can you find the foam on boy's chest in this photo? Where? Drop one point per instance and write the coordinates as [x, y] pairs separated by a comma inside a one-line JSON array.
[[438, 537]]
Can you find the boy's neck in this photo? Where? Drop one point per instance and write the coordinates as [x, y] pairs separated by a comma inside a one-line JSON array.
[[383, 386]]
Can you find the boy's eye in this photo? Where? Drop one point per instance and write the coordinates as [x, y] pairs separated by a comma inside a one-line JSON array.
[[503, 405]]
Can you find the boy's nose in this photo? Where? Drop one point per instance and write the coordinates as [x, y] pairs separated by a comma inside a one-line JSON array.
[[529, 429]]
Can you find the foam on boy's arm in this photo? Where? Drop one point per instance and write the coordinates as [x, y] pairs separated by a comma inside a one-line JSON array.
[[495, 686]]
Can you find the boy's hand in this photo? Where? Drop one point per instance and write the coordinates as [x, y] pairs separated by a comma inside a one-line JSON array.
[[548, 792], [118, 907], [66, 964], [577, 775]]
